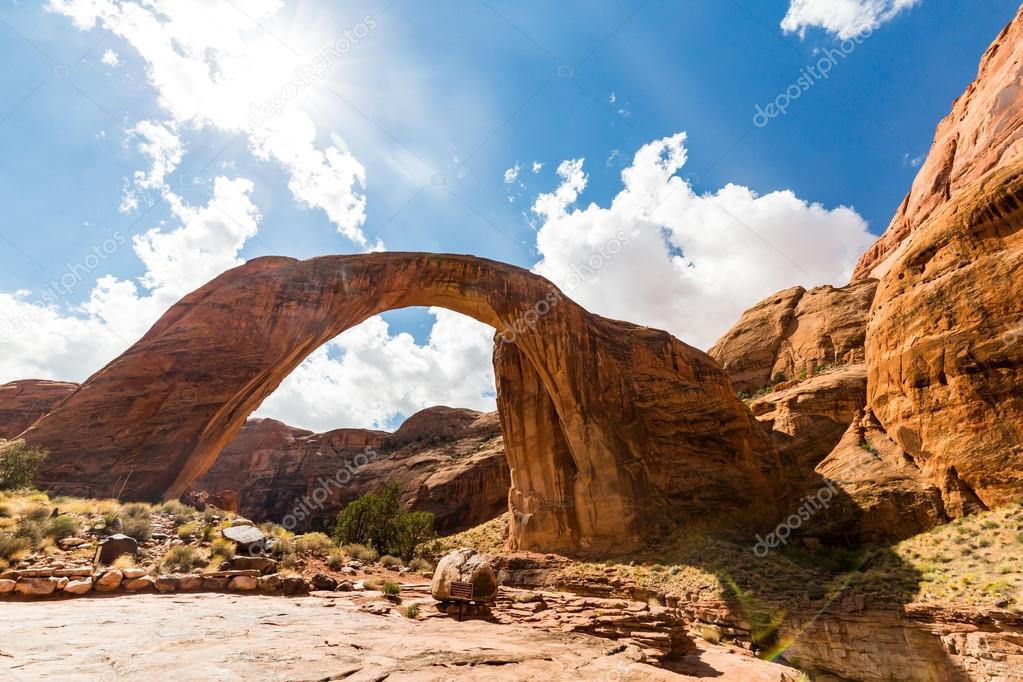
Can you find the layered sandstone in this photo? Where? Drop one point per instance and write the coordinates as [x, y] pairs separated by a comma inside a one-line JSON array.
[[647, 431], [795, 332], [447, 461], [983, 131], [944, 358], [23, 402]]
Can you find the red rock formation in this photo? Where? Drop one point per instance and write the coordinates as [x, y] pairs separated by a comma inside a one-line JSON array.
[[23, 402], [945, 362], [795, 331], [983, 131], [652, 427], [450, 462]]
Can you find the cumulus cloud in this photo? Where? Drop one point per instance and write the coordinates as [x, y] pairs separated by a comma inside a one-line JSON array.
[[213, 65], [110, 58], [512, 174], [664, 256], [366, 377], [844, 18]]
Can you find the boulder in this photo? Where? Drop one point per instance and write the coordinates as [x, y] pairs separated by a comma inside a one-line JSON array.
[[138, 584], [466, 566], [322, 581], [243, 583], [247, 538], [71, 543], [114, 546], [226, 500], [215, 582], [36, 587], [109, 581], [190, 582], [293, 585], [6, 585], [79, 586], [133, 573], [167, 583], [270, 583], [252, 563]]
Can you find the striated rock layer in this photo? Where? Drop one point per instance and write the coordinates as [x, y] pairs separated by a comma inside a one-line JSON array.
[[794, 332], [615, 429], [983, 131], [23, 402], [447, 461]]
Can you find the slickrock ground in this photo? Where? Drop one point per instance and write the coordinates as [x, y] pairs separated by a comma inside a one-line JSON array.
[[324, 636], [23, 402], [447, 461]]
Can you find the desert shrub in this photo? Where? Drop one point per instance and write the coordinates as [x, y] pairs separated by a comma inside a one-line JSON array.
[[289, 560], [188, 530], [336, 560], [314, 543], [18, 464], [181, 559], [221, 549], [373, 583], [13, 546], [63, 526], [37, 512], [412, 611], [711, 633], [138, 527], [123, 561], [360, 552], [179, 512], [420, 565], [380, 520], [282, 546], [390, 588], [390, 561]]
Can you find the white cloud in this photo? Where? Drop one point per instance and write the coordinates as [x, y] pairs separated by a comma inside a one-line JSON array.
[[537, 167], [844, 18], [663, 256], [214, 65], [378, 376], [553, 205], [163, 147], [512, 174], [111, 59]]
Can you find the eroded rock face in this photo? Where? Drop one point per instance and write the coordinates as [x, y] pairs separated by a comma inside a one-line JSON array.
[[447, 461], [23, 402], [789, 334], [945, 360], [983, 131], [652, 426]]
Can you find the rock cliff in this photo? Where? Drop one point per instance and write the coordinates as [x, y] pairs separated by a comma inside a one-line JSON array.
[[450, 462], [23, 402]]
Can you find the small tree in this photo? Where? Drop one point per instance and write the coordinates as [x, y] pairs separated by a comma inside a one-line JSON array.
[[414, 528], [381, 521], [18, 464]]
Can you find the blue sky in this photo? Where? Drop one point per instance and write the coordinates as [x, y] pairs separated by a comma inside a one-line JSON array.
[[426, 107]]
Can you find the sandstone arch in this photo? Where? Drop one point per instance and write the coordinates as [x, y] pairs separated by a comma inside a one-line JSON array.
[[611, 429]]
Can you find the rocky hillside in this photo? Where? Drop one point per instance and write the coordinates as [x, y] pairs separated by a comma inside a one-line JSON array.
[[447, 461], [23, 402]]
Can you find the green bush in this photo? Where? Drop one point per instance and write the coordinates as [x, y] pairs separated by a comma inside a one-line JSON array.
[[389, 561], [336, 560], [181, 559], [13, 545], [138, 527], [420, 565], [380, 521], [360, 552], [18, 464], [412, 611], [222, 549], [390, 588], [314, 543], [63, 526]]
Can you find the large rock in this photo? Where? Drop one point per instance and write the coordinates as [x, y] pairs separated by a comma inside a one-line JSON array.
[[806, 421], [651, 428], [794, 332], [467, 566], [983, 131], [945, 359], [23, 402], [114, 546], [450, 462], [36, 587]]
